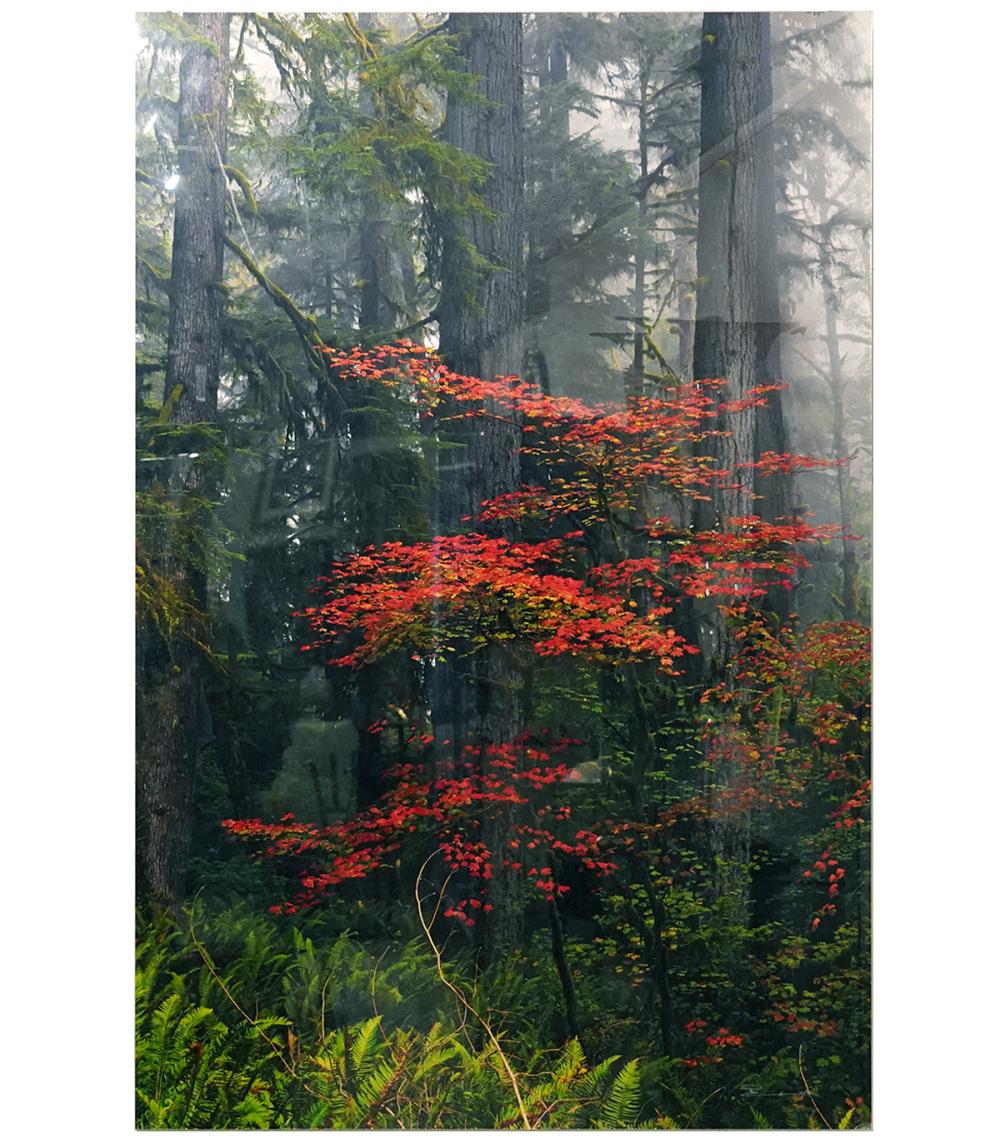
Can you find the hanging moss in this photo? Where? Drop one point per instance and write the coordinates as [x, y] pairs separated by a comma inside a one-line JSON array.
[[242, 180]]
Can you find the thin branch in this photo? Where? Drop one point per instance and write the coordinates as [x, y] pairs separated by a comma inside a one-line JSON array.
[[305, 326], [812, 1099], [823, 374], [461, 997], [431, 318], [290, 1068], [375, 1012]]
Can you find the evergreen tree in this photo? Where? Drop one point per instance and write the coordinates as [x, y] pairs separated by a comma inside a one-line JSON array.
[[823, 145], [170, 675], [578, 206]]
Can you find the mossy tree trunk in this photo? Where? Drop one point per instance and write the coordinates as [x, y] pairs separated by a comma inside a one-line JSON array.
[[196, 298], [170, 668]]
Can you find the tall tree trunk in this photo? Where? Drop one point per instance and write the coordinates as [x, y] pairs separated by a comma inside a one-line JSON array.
[[549, 236], [686, 308], [170, 673], [737, 327], [383, 272], [482, 307], [738, 320], [384, 306], [848, 561], [835, 381], [482, 295], [481, 324], [379, 309], [635, 378], [196, 296]]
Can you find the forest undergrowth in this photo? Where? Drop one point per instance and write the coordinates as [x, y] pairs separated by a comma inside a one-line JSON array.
[[245, 1024]]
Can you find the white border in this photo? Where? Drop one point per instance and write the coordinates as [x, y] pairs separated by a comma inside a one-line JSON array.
[[68, 245]]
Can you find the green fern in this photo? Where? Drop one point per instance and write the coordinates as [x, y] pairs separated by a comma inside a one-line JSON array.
[[364, 1046], [194, 1071], [201, 1062], [621, 1109], [759, 1120], [845, 1120]]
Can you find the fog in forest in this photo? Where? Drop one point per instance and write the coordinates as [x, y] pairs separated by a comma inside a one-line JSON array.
[[504, 487]]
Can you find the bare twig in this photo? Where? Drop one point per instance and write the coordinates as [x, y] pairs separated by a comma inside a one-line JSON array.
[[375, 1011], [823, 374], [431, 318], [207, 960], [460, 996], [812, 1099], [702, 1105], [322, 1008]]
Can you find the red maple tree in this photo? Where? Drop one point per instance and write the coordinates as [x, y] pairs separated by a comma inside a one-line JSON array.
[[601, 584]]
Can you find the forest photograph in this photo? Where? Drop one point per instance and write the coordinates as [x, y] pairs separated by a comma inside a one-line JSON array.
[[503, 570]]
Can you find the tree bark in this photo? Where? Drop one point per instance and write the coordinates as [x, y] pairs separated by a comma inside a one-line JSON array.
[[196, 296], [738, 323], [551, 234], [481, 325], [482, 274], [687, 272], [170, 673], [737, 326], [483, 277], [482, 307]]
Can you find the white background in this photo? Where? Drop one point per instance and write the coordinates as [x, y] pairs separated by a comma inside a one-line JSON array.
[[66, 232]]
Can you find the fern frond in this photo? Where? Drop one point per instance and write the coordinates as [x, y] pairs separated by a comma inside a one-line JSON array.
[[364, 1046], [621, 1109], [374, 1091], [759, 1119]]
